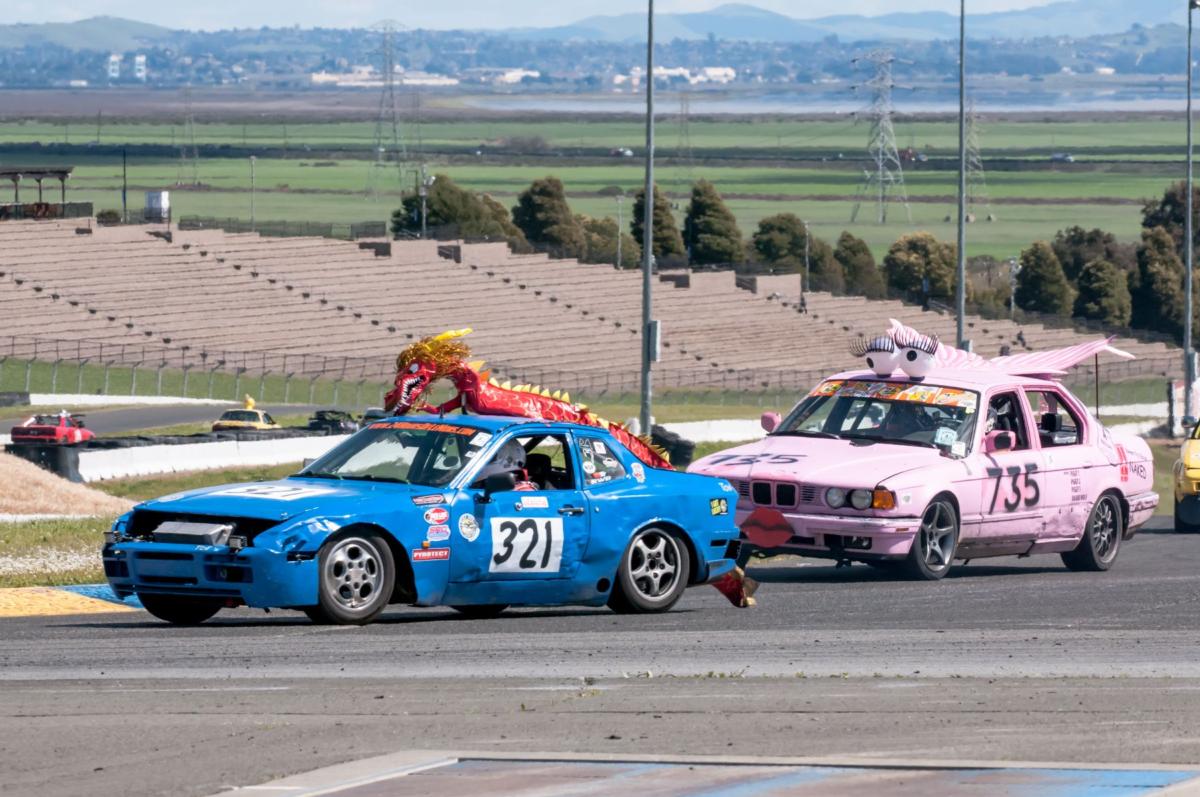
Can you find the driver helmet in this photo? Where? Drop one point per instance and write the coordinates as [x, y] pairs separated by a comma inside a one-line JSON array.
[[509, 459]]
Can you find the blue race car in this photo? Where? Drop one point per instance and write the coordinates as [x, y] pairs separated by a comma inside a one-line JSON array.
[[474, 512]]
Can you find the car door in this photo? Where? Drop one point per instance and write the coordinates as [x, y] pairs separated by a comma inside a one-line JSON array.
[[1067, 459], [536, 533], [1013, 489]]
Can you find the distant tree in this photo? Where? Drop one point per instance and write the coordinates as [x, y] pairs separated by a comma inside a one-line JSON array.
[[917, 257], [601, 236], [1156, 287], [668, 243], [710, 231], [863, 277], [780, 242], [1041, 284], [1075, 247], [108, 217], [542, 213], [1169, 213], [1104, 294], [448, 205]]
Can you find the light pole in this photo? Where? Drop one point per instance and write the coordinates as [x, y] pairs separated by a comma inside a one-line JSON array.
[[807, 270], [620, 228], [1189, 356], [649, 331], [427, 182], [252, 161], [1014, 268], [960, 292]]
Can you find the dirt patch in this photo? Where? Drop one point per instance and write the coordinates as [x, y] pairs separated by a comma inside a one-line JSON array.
[[26, 489]]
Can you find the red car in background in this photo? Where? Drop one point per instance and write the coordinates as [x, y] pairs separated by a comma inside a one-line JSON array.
[[62, 429]]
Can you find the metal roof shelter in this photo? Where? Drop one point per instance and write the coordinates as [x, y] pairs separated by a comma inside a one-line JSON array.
[[37, 174]]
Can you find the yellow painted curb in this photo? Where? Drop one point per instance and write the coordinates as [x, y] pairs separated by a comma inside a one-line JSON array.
[[50, 602]]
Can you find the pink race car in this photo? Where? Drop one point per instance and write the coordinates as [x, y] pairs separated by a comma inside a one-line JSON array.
[[956, 457]]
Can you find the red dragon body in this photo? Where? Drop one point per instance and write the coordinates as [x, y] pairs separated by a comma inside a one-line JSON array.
[[445, 356]]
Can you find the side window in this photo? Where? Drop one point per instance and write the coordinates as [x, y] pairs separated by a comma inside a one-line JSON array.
[[537, 462], [1057, 425], [1005, 414], [267, 418], [600, 463]]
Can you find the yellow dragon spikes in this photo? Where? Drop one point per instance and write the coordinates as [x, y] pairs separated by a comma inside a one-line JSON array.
[[452, 334]]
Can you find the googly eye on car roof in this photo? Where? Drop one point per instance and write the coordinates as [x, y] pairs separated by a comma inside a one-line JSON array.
[[880, 354]]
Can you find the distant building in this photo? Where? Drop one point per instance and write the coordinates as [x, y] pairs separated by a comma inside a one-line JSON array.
[[707, 74], [368, 77], [114, 66], [500, 76], [139, 68], [1107, 71]]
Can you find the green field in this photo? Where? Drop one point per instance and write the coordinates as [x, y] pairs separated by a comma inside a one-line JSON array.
[[317, 171]]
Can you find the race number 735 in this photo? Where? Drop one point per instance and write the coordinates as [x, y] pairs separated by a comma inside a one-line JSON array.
[[1017, 485], [526, 545]]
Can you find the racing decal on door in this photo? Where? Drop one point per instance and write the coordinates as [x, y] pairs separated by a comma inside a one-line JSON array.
[[1015, 489], [526, 545]]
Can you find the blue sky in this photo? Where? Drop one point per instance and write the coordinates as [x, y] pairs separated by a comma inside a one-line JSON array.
[[213, 14]]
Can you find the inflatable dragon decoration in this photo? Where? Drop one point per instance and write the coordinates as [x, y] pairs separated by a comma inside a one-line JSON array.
[[446, 356]]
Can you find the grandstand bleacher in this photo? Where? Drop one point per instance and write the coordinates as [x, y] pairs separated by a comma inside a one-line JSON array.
[[314, 306]]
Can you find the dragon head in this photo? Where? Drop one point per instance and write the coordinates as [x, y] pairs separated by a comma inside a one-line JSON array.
[[421, 364]]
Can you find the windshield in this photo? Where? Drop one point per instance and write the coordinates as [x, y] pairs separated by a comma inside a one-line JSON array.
[[887, 412], [405, 452], [240, 415]]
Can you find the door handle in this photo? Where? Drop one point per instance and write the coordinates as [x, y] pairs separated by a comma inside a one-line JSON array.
[[570, 510]]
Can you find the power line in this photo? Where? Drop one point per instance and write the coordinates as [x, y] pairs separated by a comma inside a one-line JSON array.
[[885, 181], [977, 193], [389, 140], [189, 154]]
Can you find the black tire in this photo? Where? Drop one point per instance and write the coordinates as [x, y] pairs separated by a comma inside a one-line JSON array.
[[653, 573], [932, 553], [355, 577], [181, 609], [1181, 524], [1101, 541], [485, 611]]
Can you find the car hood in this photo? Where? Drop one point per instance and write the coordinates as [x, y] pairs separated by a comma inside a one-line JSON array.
[[285, 498], [815, 460]]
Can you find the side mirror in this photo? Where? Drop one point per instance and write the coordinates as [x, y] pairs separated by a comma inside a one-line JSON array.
[[498, 483], [997, 441], [770, 421]]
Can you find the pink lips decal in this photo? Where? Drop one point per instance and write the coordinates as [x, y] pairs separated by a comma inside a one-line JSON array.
[[767, 528]]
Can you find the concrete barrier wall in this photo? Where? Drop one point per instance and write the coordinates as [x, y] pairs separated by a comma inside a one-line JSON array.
[[97, 465]]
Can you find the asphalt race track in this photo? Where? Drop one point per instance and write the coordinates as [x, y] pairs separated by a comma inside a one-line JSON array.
[[1019, 660], [130, 419]]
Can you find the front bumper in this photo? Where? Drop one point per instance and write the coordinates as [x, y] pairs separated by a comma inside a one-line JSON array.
[[254, 576], [842, 537]]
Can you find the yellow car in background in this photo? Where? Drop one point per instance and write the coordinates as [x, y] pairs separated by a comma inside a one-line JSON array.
[[1187, 484], [246, 418]]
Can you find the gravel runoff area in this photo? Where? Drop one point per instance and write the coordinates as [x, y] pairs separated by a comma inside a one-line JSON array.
[[1009, 660], [26, 489]]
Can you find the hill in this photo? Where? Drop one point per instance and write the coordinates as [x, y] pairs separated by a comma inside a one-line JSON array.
[[1076, 18], [96, 33]]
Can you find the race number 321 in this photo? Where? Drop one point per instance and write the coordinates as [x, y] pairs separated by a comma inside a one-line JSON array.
[[526, 545]]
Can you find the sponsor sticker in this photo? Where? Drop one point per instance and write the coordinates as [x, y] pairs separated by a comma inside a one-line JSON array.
[[438, 533], [437, 515], [719, 506], [277, 492], [480, 439], [727, 487], [598, 447], [535, 502], [468, 527], [430, 554], [426, 500], [639, 473], [425, 427], [589, 468]]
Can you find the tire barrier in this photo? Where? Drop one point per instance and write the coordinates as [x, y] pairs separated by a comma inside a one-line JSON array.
[[10, 399], [62, 460]]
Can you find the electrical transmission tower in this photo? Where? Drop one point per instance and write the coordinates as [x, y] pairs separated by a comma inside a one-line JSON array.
[[884, 182], [390, 149], [684, 154], [977, 193], [189, 155]]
